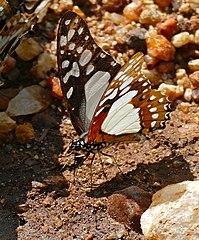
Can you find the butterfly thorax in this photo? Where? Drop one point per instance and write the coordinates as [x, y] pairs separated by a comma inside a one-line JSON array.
[[81, 146]]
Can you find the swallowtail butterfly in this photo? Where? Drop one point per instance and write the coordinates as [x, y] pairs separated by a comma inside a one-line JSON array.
[[107, 103], [15, 22]]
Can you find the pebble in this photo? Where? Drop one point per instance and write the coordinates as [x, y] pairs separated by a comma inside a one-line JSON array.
[[159, 47], [171, 90], [7, 124], [114, 5], [173, 213], [24, 133], [132, 11], [194, 65], [188, 94], [163, 3], [166, 67], [127, 205], [180, 39], [29, 100], [195, 95], [150, 15], [196, 39], [168, 27], [46, 62], [28, 49], [5, 96], [194, 79]]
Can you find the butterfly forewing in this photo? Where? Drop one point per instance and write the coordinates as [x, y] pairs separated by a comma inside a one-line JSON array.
[[86, 70], [128, 105]]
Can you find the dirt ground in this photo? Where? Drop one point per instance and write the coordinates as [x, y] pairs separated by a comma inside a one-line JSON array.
[[41, 198]]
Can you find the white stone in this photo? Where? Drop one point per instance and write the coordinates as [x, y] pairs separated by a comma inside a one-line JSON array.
[[174, 213], [194, 65], [7, 124], [180, 39], [29, 100]]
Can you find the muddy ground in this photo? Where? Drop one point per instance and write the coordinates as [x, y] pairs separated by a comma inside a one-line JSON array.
[[41, 198]]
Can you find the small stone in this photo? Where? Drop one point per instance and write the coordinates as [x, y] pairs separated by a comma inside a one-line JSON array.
[[58, 223], [127, 205], [150, 15], [24, 133], [8, 65], [132, 11], [171, 90], [196, 39], [46, 62], [180, 39], [23, 207], [159, 47], [28, 49], [163, 3], [166, 67], [173, 213], [114, 5], [168, 27], [194, 79], [29, 100], [7, 124], [188, 94], [45, 229], [195, 95], [39, 185], [43, 121], [6, 95], [194, 65]]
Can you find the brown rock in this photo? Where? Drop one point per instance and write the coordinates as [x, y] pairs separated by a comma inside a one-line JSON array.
[[132, 11], [163, 3], [160, 47], [6, 95], [194, 78], [7, 124], [168, 27], [166, 67], [126, 206], [114, 5], [24, 133]]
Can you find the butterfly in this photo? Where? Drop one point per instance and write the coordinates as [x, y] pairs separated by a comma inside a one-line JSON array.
[[107, 102], [15, 22]]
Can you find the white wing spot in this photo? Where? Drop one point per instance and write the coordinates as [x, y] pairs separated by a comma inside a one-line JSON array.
[[119, 74], [113, 63], [108, 91], [87, 37], [153, 124], [161, 100], [71, 33], [79, 49], [126, 83], [80, 30], [128, 68], [155, 116], [85, 57], [89, 69], [75, 70], [125, 90], [152, 97], [111, 96], [69, 93], [63, 41], [62, 52], [99, 111], [102, 55], [65, 64], [140, 79], [67, 22], [145, 84], [76, 20], [71, 46], [154, 109]]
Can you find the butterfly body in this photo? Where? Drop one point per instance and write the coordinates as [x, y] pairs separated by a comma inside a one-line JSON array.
[[107, 103]]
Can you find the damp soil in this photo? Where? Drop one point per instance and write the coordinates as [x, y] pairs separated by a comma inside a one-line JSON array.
[[42, 197]]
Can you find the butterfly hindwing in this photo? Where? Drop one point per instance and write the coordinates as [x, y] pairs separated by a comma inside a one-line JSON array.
[[128, 105], [85, 68]]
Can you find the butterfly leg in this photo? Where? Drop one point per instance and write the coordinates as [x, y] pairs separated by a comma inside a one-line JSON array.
[[102, 164]]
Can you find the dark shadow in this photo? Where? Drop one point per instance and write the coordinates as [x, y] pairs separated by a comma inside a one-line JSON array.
[[25, 167], [169, 170]]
